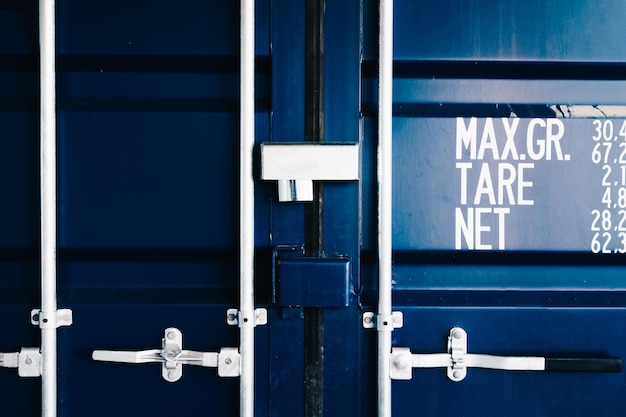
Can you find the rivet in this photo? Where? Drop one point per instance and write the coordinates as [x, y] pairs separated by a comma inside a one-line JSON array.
[[28, 361], [171, 335], [399, 362], [457, 334], [367, 320], [457, 374], [228, 361], [172, 374]]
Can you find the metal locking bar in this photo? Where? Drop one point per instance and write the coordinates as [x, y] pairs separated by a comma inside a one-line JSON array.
[[172, 357], [457, 361]]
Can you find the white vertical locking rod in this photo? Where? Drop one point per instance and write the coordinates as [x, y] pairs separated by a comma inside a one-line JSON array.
[[246, 209], [48, 205], [385, 102]]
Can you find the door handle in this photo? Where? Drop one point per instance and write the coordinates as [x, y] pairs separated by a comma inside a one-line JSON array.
[[457, 361], [172, 357], [583, 365]]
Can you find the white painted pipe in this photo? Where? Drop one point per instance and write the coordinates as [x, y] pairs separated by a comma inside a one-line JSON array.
[[246, 207], [48, 205], [385, 101]]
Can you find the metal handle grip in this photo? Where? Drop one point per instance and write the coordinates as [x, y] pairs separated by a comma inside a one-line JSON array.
[[583, 365], [143, 356]]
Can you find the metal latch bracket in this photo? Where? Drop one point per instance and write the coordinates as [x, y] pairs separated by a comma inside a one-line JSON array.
[[457, 347], [373, 321], [258, 317], [27, 362], [51, 320]]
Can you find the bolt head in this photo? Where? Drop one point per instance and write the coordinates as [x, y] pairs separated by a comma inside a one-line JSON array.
[[400, 363]]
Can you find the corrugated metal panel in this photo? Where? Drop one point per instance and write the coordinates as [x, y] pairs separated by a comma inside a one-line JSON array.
[[148, 128]]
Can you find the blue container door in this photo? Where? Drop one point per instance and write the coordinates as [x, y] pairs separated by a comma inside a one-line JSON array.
[[149, 179], [507, 144], [148, 133]]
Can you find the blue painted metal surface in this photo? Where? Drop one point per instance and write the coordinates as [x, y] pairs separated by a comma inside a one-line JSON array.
[[561, 30], [509, 332], [313, 282], [148, 223], [520, 179]]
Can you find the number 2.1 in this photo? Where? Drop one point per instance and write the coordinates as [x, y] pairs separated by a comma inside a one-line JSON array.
[[605, 179]]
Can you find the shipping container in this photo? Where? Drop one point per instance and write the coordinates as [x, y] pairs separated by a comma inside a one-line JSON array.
[[281, 208]]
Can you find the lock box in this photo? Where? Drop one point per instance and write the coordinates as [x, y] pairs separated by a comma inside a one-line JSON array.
[[313, 281]]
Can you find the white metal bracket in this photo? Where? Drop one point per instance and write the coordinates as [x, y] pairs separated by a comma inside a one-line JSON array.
[[27, 362], [172, 357], [379, 322], [258, 317], [51, 320], [296, 165], [457, 347]]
